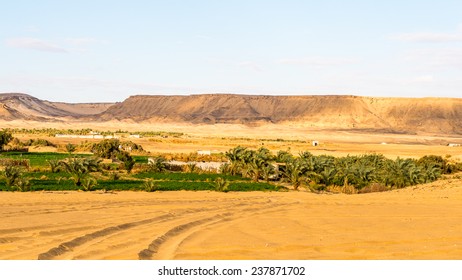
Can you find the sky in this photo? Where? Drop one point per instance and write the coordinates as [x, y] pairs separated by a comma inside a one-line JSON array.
[[106, 51]]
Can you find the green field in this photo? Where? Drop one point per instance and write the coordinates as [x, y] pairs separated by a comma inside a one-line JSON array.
[[41, 178]]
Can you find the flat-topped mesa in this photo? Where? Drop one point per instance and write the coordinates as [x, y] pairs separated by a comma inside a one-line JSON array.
[[434, 115], [406, 115]]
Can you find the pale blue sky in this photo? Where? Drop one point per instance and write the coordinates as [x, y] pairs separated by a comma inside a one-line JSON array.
[[86, 51]]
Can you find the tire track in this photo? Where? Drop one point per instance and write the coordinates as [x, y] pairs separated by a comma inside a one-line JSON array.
[[155, 246], [70, 245]]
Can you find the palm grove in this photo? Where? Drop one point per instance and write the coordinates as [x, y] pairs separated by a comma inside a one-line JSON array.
[[350, 174]]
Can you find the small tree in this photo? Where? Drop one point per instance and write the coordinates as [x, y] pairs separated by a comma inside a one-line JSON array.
[[191, 167], [108, 148], [158, 164], [5, 138], [88, 184], [221, 185], [294, 173], [14, 178], [70, 148], [79, 168], [54, 165], [149, 185], [127, 160]]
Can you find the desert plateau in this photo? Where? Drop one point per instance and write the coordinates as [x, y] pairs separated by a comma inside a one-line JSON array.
[[316, 219]]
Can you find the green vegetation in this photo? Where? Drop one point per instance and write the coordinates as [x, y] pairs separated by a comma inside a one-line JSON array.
[[79, 168], [149, 185], [319, 173], [5, 138], [247, 170], [87, 131], [15, 180], [221, 185]]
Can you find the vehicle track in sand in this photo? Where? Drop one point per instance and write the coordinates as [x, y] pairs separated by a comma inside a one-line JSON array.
[[120, 238]]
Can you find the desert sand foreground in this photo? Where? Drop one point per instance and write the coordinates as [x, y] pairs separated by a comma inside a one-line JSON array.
[[421, 222]]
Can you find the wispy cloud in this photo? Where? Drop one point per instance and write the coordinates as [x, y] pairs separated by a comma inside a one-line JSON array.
[[317, 61], [441, 58], [35, 44], [428, 37]]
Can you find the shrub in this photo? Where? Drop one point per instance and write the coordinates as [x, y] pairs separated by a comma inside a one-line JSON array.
[[108, 148], [221, 185], [191, 167], [5, 138], [79, 168], [22, 185], [114, 176], [35, 142], [157, 164], [14, 178], [70, 148], [15, 162], [149, 185], [127, 160], [54, 165], [88, 184]]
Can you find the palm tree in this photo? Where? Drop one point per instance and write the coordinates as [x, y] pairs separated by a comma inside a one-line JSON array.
[[158, 164], [327, 176], [267, 171], [284, 156], [294, 173], [236, 158], [221, 185], [431, 173], [79, 168]]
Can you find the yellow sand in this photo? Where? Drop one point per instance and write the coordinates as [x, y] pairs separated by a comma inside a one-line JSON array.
[[415, 223], [423, 222]]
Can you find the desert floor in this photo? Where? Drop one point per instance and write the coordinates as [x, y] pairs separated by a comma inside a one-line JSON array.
[[422, 222], [296, 138]]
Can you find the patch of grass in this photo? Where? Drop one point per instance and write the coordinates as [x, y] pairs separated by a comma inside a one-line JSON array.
[[188, 177], [38, 159]]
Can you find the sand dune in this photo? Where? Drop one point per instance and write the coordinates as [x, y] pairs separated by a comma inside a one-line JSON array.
[[415, 223]]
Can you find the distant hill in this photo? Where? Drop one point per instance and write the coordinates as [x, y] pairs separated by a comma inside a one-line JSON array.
[[407, 115], [22, 106], [402, 115]]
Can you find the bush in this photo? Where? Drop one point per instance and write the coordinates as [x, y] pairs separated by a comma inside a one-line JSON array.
[[79, 168], [70, 148], [88, 184], [54, 165], [108, 148], [127, 160], [149, 185], [15, 162], [14, 178], [221, 185], [5, 138], [157, 164]]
